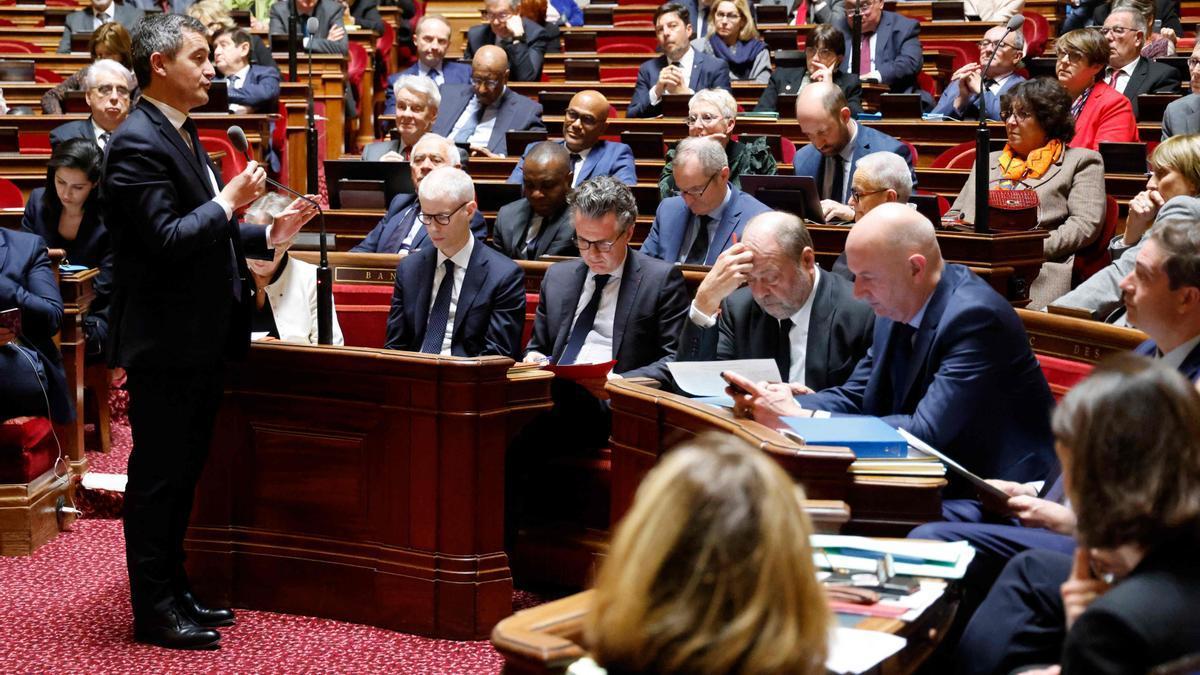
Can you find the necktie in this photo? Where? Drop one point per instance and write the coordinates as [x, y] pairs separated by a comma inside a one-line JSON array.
[[783, 350], [698, 253], [103, 18], [436, 77], [839, 179], [188, 131], [435, 330], [233, 80], [473, 117], [864, 55], [104, 139], [531, 237], [901, 348], [583, 325], [576, 168], [1112, 79]]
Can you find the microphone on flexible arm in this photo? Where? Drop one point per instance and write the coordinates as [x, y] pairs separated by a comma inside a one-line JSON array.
[[983, 142], [293, 17], [856, 40], [310, 133], [324, 275]]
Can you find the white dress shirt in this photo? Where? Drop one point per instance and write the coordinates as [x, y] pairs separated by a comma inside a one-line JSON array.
[[694, 226], [577, 167], [109, 14], [424, 72], [236, 80], [598, 346], [487, 121], [686, 65], [413, 228], [460, 259], [1175, 357], [98, 132], [1126, 73], [847, 157]]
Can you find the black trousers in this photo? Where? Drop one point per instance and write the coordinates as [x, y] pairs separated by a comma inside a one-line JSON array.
[[171, 413]]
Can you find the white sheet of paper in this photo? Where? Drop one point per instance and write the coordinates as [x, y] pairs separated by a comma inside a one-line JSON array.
[[703, 378], [258, 335], [856, 651]]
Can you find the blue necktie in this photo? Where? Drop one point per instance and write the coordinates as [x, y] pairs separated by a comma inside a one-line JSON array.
[[583, 325], [902, 349], [435, 330], [698, 253], [433, 75], [468, 129]]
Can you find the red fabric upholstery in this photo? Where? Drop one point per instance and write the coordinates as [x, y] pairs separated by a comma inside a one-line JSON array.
[[626, 45], [46, 76], [1062, 374], [386, 42], [961, 156], [18, 47], [1036, 30], [26, 450], [1095, 257], [362, 311], [357, 66], [912, 151], [10, 195], [233, 162], [963, 52], [33, 142], [618, 74]]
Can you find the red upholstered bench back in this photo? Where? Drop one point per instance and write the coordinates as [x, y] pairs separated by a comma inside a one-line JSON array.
[[362, 311], [26, 450], [1062, 374]]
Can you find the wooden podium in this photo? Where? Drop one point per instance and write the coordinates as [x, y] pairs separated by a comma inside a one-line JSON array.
[[362, 485]]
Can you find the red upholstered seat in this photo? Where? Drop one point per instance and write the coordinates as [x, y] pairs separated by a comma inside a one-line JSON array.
[[961, 156], [233, 162], [10, 195], [362, 311], [1036, 30], [1062, 374], [27, 450], [34, 142], [1095, 256]]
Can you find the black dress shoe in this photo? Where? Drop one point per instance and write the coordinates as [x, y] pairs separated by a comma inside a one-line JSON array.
[[206, 617], [174, 630]]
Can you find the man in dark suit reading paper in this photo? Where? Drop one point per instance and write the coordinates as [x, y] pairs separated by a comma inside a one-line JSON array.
[[181, 307]]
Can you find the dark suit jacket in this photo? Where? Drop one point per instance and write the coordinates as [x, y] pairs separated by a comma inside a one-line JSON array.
[[652, 306], [1137, 624], [991, 102], [897, 50], [607, 158], [786, 82], [974, 389], [839, 333], [810, 162], [366, 14], [1190, 368], [260, 91], [489, 316], [328, 13], [175, 252], [708, 72], [1150, 77], [81, 21], [27, 281], [555, 238], [672, 220], [73, 129], [525, 56], [388, 234], [453, 72], [516, 113], [177, 6], [92, 247], [373, 151]]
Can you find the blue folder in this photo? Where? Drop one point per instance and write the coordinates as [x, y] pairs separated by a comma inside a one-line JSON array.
[[869, 437]]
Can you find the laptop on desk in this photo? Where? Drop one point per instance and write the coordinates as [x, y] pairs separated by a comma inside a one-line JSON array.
[[794, 194]]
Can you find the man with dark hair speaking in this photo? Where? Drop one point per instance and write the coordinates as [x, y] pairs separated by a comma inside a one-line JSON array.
[[181, 306]]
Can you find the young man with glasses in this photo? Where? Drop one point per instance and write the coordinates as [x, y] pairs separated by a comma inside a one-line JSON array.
[[585, 122], [680, 69], [1128, 72], [706, 214], [524, 41], [108, 85], [960, 100], [481, 114], [457, 297]]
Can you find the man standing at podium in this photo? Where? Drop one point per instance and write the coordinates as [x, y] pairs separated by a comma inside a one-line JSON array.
[[181, 307]]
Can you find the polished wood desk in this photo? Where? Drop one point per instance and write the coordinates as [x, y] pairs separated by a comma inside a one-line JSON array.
[[546, 639], [363, 485], [77, 294]]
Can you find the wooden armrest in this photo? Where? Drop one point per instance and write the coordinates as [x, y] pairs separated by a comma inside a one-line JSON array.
[[828, 515], [546, 638]]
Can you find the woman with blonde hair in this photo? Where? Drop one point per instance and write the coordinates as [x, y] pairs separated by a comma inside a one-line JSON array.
[[711, 571], [733, 38]]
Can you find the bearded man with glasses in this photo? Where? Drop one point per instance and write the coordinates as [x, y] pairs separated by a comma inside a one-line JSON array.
[[457, 297]]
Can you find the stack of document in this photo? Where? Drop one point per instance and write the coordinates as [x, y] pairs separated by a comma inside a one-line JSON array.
[[944, 560], [914, 463]]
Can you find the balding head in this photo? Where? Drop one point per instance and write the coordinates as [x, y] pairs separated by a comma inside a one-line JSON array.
[[784, 262], [824, 117], [894, 255], [879, 178], [489, 73], [431, 152], [586, 120]]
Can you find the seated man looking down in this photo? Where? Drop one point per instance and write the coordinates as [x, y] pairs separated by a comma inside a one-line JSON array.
[[415, 103], [107, 88], [523, 40], [893, 54], [584, 123], [399, 231], [835, 144], [457, 297], [949, 362], [539, 223], [788, 310], [252, 89], [880, 178], [680, 70], [695, 226], [481, 114]]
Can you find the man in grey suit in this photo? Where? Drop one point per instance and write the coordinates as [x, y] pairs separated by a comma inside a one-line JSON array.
[[1101, 293], [330, 37], [539, 223], [807, 321], [89, 19], [1182, 116]]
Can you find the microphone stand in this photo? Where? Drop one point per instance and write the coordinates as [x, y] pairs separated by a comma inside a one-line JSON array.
[[311, 132], [855, 42], [292, 19], [983, 141]]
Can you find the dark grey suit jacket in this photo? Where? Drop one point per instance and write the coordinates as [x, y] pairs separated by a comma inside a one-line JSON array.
[[839, 333], [1151, 77], [83, 20], [328, 12], [555, 238], [373, 151], [525, 56], [1182, 117]]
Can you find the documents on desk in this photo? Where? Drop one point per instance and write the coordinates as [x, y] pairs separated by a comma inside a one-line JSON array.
[[944, 560], [703, 378], [868, 437], [857, 651]]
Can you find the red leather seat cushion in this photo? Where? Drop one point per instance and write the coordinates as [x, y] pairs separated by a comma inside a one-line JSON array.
[[26, 450]]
